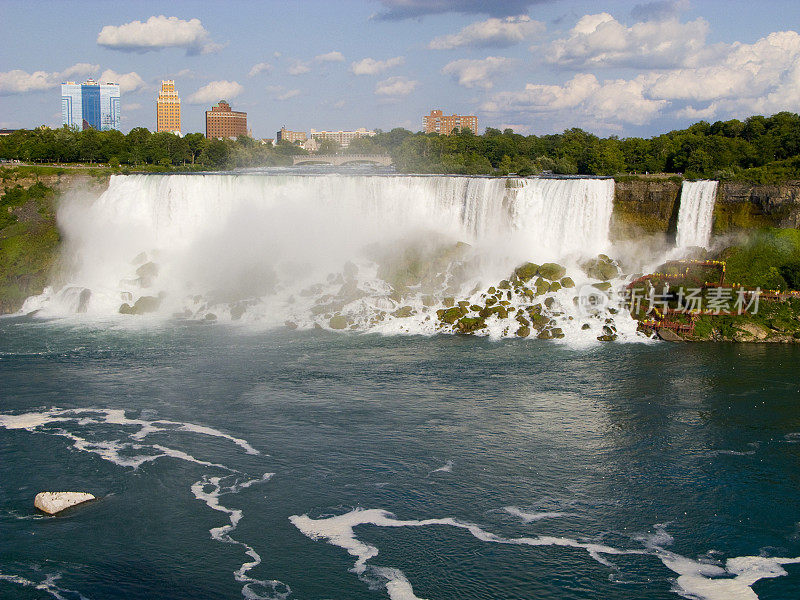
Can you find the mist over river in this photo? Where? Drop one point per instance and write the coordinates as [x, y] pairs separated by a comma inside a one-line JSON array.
[[243, 445]]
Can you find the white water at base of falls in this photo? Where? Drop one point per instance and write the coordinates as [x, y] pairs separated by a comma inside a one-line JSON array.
[[266, 249], [695, 216]]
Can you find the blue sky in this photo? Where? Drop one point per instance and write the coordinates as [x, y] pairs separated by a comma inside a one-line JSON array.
[[624, 68]]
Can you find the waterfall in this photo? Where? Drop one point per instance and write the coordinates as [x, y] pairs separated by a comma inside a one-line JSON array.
[[696, 213], [268, 248]]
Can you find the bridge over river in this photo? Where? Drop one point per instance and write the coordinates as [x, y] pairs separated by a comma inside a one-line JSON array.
[[342, 159]]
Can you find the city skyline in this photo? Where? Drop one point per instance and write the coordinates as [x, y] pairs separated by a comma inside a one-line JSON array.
[[535, 66]]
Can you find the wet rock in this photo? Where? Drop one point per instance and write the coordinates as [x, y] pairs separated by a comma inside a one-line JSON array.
[[470, 324], [147, 273], [237, 310], [549, 302], [752, 331], [350, 270], [338, 322], [83, 300], [527, 271], [603, 287], [476, 307], [567, 282], [428, 300], [668, 335], [451, 315], [606, 338], [586, 326], [504, 285], [145, 304], [55, 502], [552, 271], [545, 334], [558, 333], [523, 331], [601, 267], [210, 317], [290, 324], [403, 312], [555, 286], [449, 301]]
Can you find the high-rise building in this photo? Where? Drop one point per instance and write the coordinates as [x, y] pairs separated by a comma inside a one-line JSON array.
[[343, 138], [90, 105], [168, 108], [284, 135], [222, 122], [436, 122]]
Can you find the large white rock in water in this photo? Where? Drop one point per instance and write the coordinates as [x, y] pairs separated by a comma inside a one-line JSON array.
[[54, 502]]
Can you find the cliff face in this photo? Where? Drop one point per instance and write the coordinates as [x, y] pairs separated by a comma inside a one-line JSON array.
[[650, 206], [647, 206], [749, 206]]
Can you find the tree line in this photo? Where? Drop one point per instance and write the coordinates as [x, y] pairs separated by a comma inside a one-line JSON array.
[[760, 149]]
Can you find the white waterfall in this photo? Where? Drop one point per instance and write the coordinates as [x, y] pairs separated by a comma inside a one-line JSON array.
[[696, 213], [275, 245]]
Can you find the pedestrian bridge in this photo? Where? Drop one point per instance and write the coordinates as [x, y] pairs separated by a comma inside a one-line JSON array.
[[342, 159]]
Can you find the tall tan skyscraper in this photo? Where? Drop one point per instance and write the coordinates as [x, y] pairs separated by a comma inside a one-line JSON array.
[[168, 108]]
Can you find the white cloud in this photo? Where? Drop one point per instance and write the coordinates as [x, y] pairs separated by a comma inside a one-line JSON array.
[[158, 33], [334, 56], [396, 86], [298, 67], [762, 77], [370, 66], [215, 91], [498, 33], [477, 72], [581, 98], [133, 106], [128, 82], [262, 67], [22, 82], [288, 94], [184, 74], [600, 40]]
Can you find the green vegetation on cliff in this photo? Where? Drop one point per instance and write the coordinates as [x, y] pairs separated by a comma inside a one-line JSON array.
[[28, 242]]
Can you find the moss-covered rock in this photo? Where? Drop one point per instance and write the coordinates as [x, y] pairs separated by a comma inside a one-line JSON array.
[[527, 271], [403, 312], [523, 331], [555, 286], [470, 324], [552, 271], [567, 282], [451, 315], [602, 268], [603, 286], [338, 322], [545, 334]]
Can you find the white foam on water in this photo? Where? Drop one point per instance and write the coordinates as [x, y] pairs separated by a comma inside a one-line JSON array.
[[531, 517], [696, 579], [339, 531], [209, 490], [696, 213], [446, 468], [123, 452], [47, 585]]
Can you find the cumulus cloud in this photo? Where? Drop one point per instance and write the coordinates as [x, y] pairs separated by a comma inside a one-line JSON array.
[[584, 96], [22, 82], [477, 72], [158, 33], [395, 10], [600, 40], [215, 91], [743, 79], [370, 66], [298, 67], [396, 87], [498, 33], [334, 56], [128, 82], [762, 77], [262, 67]]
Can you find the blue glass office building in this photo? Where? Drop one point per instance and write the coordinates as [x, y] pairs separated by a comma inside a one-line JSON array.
[[90, 105]]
